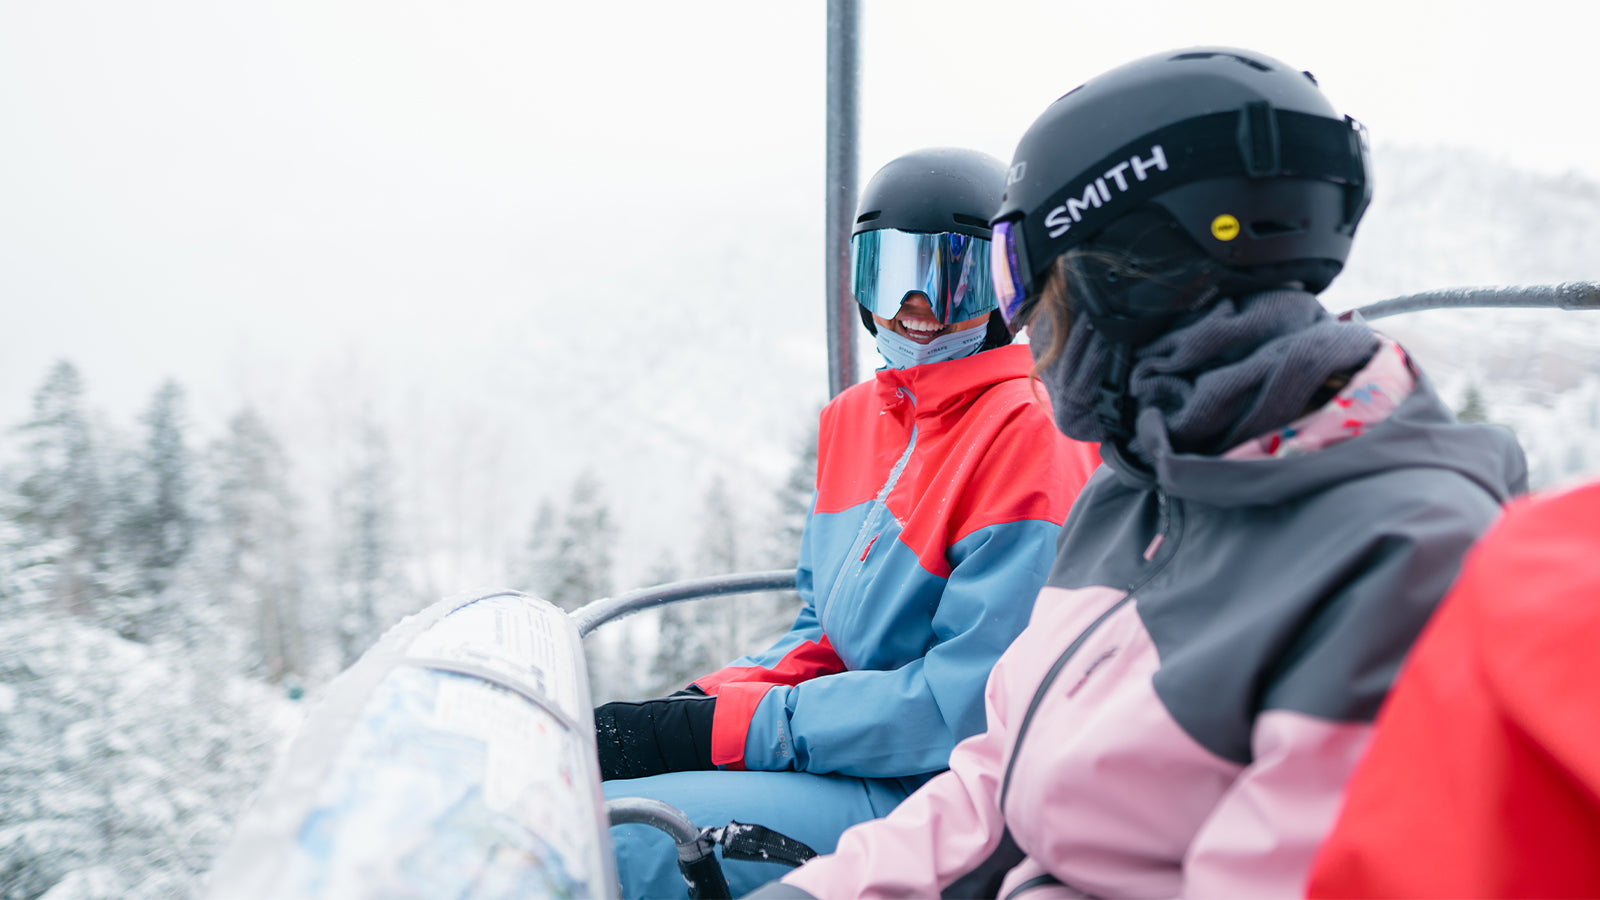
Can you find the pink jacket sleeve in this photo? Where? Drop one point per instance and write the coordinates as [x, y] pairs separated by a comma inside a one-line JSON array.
[[1260, 839]]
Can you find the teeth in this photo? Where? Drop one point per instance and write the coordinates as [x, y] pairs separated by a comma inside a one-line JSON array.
[[922, 325]]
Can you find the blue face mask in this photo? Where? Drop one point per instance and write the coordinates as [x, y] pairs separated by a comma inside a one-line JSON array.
[[903, 353]]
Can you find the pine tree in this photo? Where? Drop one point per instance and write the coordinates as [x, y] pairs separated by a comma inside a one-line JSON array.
[[126, 600], [369, 584], [582, 561], [58, 496], [719, 550], [1473, 409], [656, 672], [25, 569], [536, 566], [165, 525], [579, 572], [258, 564], [794, 502], [778, 610], [682, 650], [698, 636], [148, 498]]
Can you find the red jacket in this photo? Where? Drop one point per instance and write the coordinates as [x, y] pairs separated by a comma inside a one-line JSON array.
[[1483, 779]]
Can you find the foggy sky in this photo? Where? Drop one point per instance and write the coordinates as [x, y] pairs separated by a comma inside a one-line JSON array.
[[237, 195]]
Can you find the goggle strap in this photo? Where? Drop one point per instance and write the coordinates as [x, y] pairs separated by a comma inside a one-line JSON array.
[[1255, 141]]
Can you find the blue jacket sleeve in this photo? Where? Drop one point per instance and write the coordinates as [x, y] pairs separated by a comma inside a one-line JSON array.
[[904, 722]]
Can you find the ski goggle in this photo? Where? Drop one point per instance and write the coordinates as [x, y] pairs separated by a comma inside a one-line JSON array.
[[1010, 286], [950, 269]]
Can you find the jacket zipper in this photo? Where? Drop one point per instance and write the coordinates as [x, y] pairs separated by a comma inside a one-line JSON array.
[[1163, 523], [1160, 538], [866, 536], [1038, 695]]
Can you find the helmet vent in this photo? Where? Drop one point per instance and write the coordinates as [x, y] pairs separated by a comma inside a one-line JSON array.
[[1265, 228], [868, 216], [972, 221], [1208, 54]]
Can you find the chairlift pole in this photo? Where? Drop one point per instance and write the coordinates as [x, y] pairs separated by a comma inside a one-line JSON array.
[[844, 19]]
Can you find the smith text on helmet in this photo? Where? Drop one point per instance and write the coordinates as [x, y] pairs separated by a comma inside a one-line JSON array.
[[1098, 191]]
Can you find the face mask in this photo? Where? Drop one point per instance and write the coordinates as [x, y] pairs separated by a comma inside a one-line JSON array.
[[903, 353]]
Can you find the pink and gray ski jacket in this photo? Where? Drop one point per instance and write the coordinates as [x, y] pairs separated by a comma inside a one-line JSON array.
[[1200, 672]]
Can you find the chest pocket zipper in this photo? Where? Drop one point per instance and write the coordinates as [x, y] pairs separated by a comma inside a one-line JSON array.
[[870, 524]]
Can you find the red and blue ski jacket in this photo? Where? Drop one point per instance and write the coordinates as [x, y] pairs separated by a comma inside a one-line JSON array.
[[941, 490]]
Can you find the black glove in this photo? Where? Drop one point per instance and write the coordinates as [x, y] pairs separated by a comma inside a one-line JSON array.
[[650, 737]]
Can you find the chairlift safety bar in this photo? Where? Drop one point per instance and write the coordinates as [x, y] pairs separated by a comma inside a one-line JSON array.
[[598, 612], [1572, 295]]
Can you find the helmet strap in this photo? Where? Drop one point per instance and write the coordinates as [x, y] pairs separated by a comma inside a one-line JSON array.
[[1114, 408], [866, 319], [998, 333]]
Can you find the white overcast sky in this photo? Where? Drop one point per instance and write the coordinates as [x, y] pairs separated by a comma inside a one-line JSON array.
[[215, 191]]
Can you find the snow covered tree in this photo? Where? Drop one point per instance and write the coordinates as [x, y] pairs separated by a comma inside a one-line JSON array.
[[1473, 408], [148, 497], [726, 621], [258, 565], [719, 551], [581, 565], [535, 565], [697, 636], [163, 528], [773, 613], [58, 494], [121, 767], [794, 502], [370, 587], [578, 569], [783, 546], [24, 570]]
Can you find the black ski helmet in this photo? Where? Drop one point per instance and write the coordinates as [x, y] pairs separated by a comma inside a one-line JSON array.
[[934, 190], [1228, 166]]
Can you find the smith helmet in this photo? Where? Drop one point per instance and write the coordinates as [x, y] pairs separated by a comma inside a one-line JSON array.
[[922, 226], [1224, 168]]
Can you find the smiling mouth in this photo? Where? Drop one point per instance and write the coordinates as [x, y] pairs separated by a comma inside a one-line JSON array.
[[918, 329]]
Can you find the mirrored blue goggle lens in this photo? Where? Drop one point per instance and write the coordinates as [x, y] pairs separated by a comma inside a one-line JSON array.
[[1008, 284], [951, 270]]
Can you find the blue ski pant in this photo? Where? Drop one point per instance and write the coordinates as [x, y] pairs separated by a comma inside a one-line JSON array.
[[812, 809]]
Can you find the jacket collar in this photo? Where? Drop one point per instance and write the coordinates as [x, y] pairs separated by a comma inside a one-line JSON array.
[[934, 387]]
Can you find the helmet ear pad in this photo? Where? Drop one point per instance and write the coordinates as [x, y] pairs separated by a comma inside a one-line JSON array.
[[1280, 225], [1146, 268], [1143, 268], [866, 319]]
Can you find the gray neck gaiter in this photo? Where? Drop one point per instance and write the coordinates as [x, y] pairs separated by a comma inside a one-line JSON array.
[[1239, 369]]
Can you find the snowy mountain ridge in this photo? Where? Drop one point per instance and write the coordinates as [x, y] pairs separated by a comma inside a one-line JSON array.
[[1445, 217]]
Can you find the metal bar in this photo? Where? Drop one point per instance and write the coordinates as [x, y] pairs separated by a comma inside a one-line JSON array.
[[844, 19], [1573, 295], [598, 612], [696, 859], [661, 816]]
